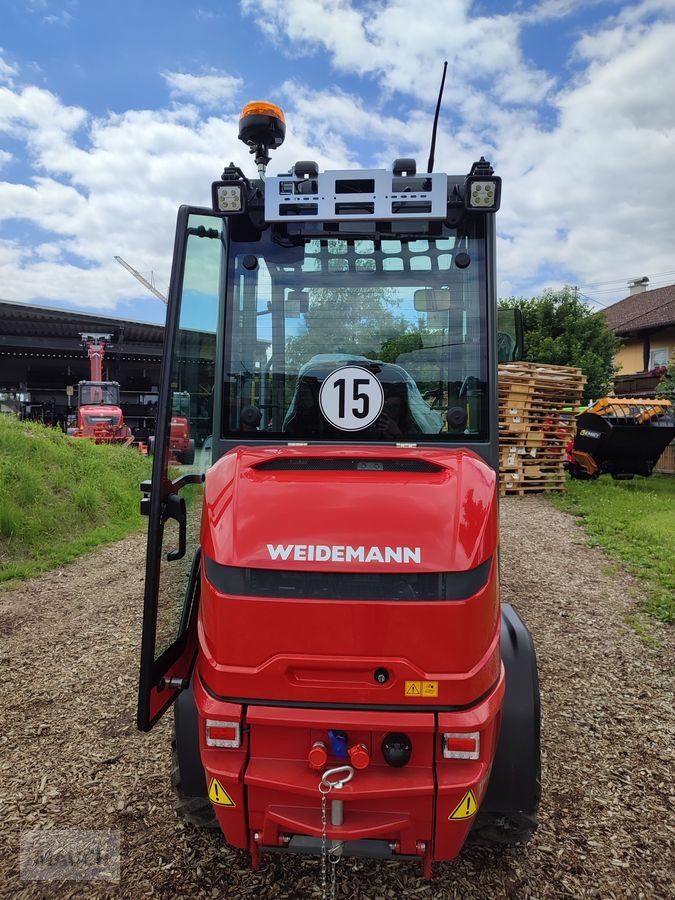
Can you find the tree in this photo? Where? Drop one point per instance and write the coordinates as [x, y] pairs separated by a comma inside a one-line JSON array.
[[562, 330], [665, 389], [347, 320]]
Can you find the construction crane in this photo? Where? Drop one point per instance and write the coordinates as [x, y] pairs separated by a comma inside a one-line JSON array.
[[144, 281]]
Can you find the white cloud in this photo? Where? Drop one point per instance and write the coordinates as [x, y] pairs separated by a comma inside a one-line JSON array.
[[212, 89], [391, 41], [587, 194], [7, 70], [63, 17]]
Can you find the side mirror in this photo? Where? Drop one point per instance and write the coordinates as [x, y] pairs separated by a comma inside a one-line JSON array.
[[432, 299]]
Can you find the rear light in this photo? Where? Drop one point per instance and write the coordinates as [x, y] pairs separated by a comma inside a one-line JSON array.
[[462, 746], [222, 734]]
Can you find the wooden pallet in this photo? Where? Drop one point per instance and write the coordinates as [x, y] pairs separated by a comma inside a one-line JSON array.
[[537, 409]]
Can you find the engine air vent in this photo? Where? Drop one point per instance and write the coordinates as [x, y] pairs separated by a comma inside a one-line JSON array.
[[346, 464]]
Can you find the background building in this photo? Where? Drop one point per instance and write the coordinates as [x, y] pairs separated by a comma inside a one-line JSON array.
[[645, 322], [42, 360]]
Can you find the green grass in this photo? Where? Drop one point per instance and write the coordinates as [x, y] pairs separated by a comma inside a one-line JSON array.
[[60, 496], [634, 522]]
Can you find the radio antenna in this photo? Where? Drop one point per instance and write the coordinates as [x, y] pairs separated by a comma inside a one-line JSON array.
[[430, 164]]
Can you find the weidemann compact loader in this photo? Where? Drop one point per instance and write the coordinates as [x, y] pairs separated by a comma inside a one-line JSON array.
[[322, 601]]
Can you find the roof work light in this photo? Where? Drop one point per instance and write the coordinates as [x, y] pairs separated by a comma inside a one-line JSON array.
[[482, 188], [229, 194]]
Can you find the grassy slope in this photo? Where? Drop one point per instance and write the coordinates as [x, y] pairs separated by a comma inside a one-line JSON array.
[[634, 521], [60, 497]]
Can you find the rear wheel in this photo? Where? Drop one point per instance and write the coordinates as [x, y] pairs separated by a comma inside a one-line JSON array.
[[508, 814], [491, 828], [197, 811], [187, 457]]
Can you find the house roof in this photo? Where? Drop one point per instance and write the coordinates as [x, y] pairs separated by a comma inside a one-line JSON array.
[[644, 311]]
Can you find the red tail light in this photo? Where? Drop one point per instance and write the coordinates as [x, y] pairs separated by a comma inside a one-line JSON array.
[[222, 734], [465, 745]]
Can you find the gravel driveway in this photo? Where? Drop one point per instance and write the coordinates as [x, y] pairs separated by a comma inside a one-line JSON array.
[[70, 755]]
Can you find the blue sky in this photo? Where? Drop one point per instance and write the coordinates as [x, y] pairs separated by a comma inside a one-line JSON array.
[[111, 115]]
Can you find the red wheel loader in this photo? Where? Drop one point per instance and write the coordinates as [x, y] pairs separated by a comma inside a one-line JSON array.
[[99, 414], [322, 601]]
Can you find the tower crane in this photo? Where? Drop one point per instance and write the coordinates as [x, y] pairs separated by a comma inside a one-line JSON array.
[[144, 281]]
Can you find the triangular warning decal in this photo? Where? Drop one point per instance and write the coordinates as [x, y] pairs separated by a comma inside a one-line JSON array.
[[466, 807], [218, 794]]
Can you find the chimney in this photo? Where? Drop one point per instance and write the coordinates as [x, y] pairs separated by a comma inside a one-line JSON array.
[[638, 285]]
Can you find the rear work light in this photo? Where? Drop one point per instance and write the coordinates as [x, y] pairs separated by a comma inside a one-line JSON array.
[[228, 197], [462, 746], [482, 188], [222, 734]]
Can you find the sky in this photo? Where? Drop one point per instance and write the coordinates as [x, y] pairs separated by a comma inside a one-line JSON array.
[[112, 115]]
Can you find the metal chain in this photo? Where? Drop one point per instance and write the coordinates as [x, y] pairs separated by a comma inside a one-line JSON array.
[[333, 856], [324, 851], [334, 860]]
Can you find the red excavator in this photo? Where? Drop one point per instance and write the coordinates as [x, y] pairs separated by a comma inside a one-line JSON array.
[[99, 414], [322, 603]]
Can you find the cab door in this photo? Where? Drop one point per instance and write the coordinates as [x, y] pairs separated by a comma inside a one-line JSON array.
[[173, 498]]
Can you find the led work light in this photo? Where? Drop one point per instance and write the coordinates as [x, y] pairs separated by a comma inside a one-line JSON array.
[[229, 195], [482, 188]]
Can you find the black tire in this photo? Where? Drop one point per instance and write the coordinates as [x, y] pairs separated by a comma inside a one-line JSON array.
[[576, 471], [508, 814], [491, 828], [197, 811], [187, 457]]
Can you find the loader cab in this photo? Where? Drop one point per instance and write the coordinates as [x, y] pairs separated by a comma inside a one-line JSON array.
[[98, 407], [323, 326], [98, 393]]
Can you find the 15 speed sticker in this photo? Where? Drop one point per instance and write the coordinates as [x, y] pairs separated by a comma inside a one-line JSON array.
[[351, 398]]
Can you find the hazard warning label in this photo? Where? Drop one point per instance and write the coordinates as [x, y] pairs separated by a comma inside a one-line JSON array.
[[421, 689], [466, 807], [218, 794]]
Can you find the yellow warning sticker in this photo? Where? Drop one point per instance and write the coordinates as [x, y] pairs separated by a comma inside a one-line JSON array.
[[466, 807], [421, 689], [218, 794]]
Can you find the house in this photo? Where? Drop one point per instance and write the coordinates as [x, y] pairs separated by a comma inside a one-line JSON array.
[[645, 322]]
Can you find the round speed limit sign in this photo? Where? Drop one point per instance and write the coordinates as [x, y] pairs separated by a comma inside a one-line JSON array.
[[351, 398]]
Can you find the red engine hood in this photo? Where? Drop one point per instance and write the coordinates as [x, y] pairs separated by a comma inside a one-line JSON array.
[[303, 507]]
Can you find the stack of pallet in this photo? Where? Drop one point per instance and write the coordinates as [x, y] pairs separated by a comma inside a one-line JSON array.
[[537, 408]]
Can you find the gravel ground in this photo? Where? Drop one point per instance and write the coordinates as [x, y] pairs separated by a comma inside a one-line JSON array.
[[70, 755]]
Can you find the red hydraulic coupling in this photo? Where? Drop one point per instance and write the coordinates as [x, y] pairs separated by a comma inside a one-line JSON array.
[[359, 756], [318, 755]]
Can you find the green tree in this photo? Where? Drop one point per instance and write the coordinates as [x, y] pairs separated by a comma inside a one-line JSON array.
[[562, 330], [665, 389], [347, 320]]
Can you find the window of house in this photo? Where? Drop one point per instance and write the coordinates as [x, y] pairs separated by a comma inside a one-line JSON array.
[[658, 358]]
